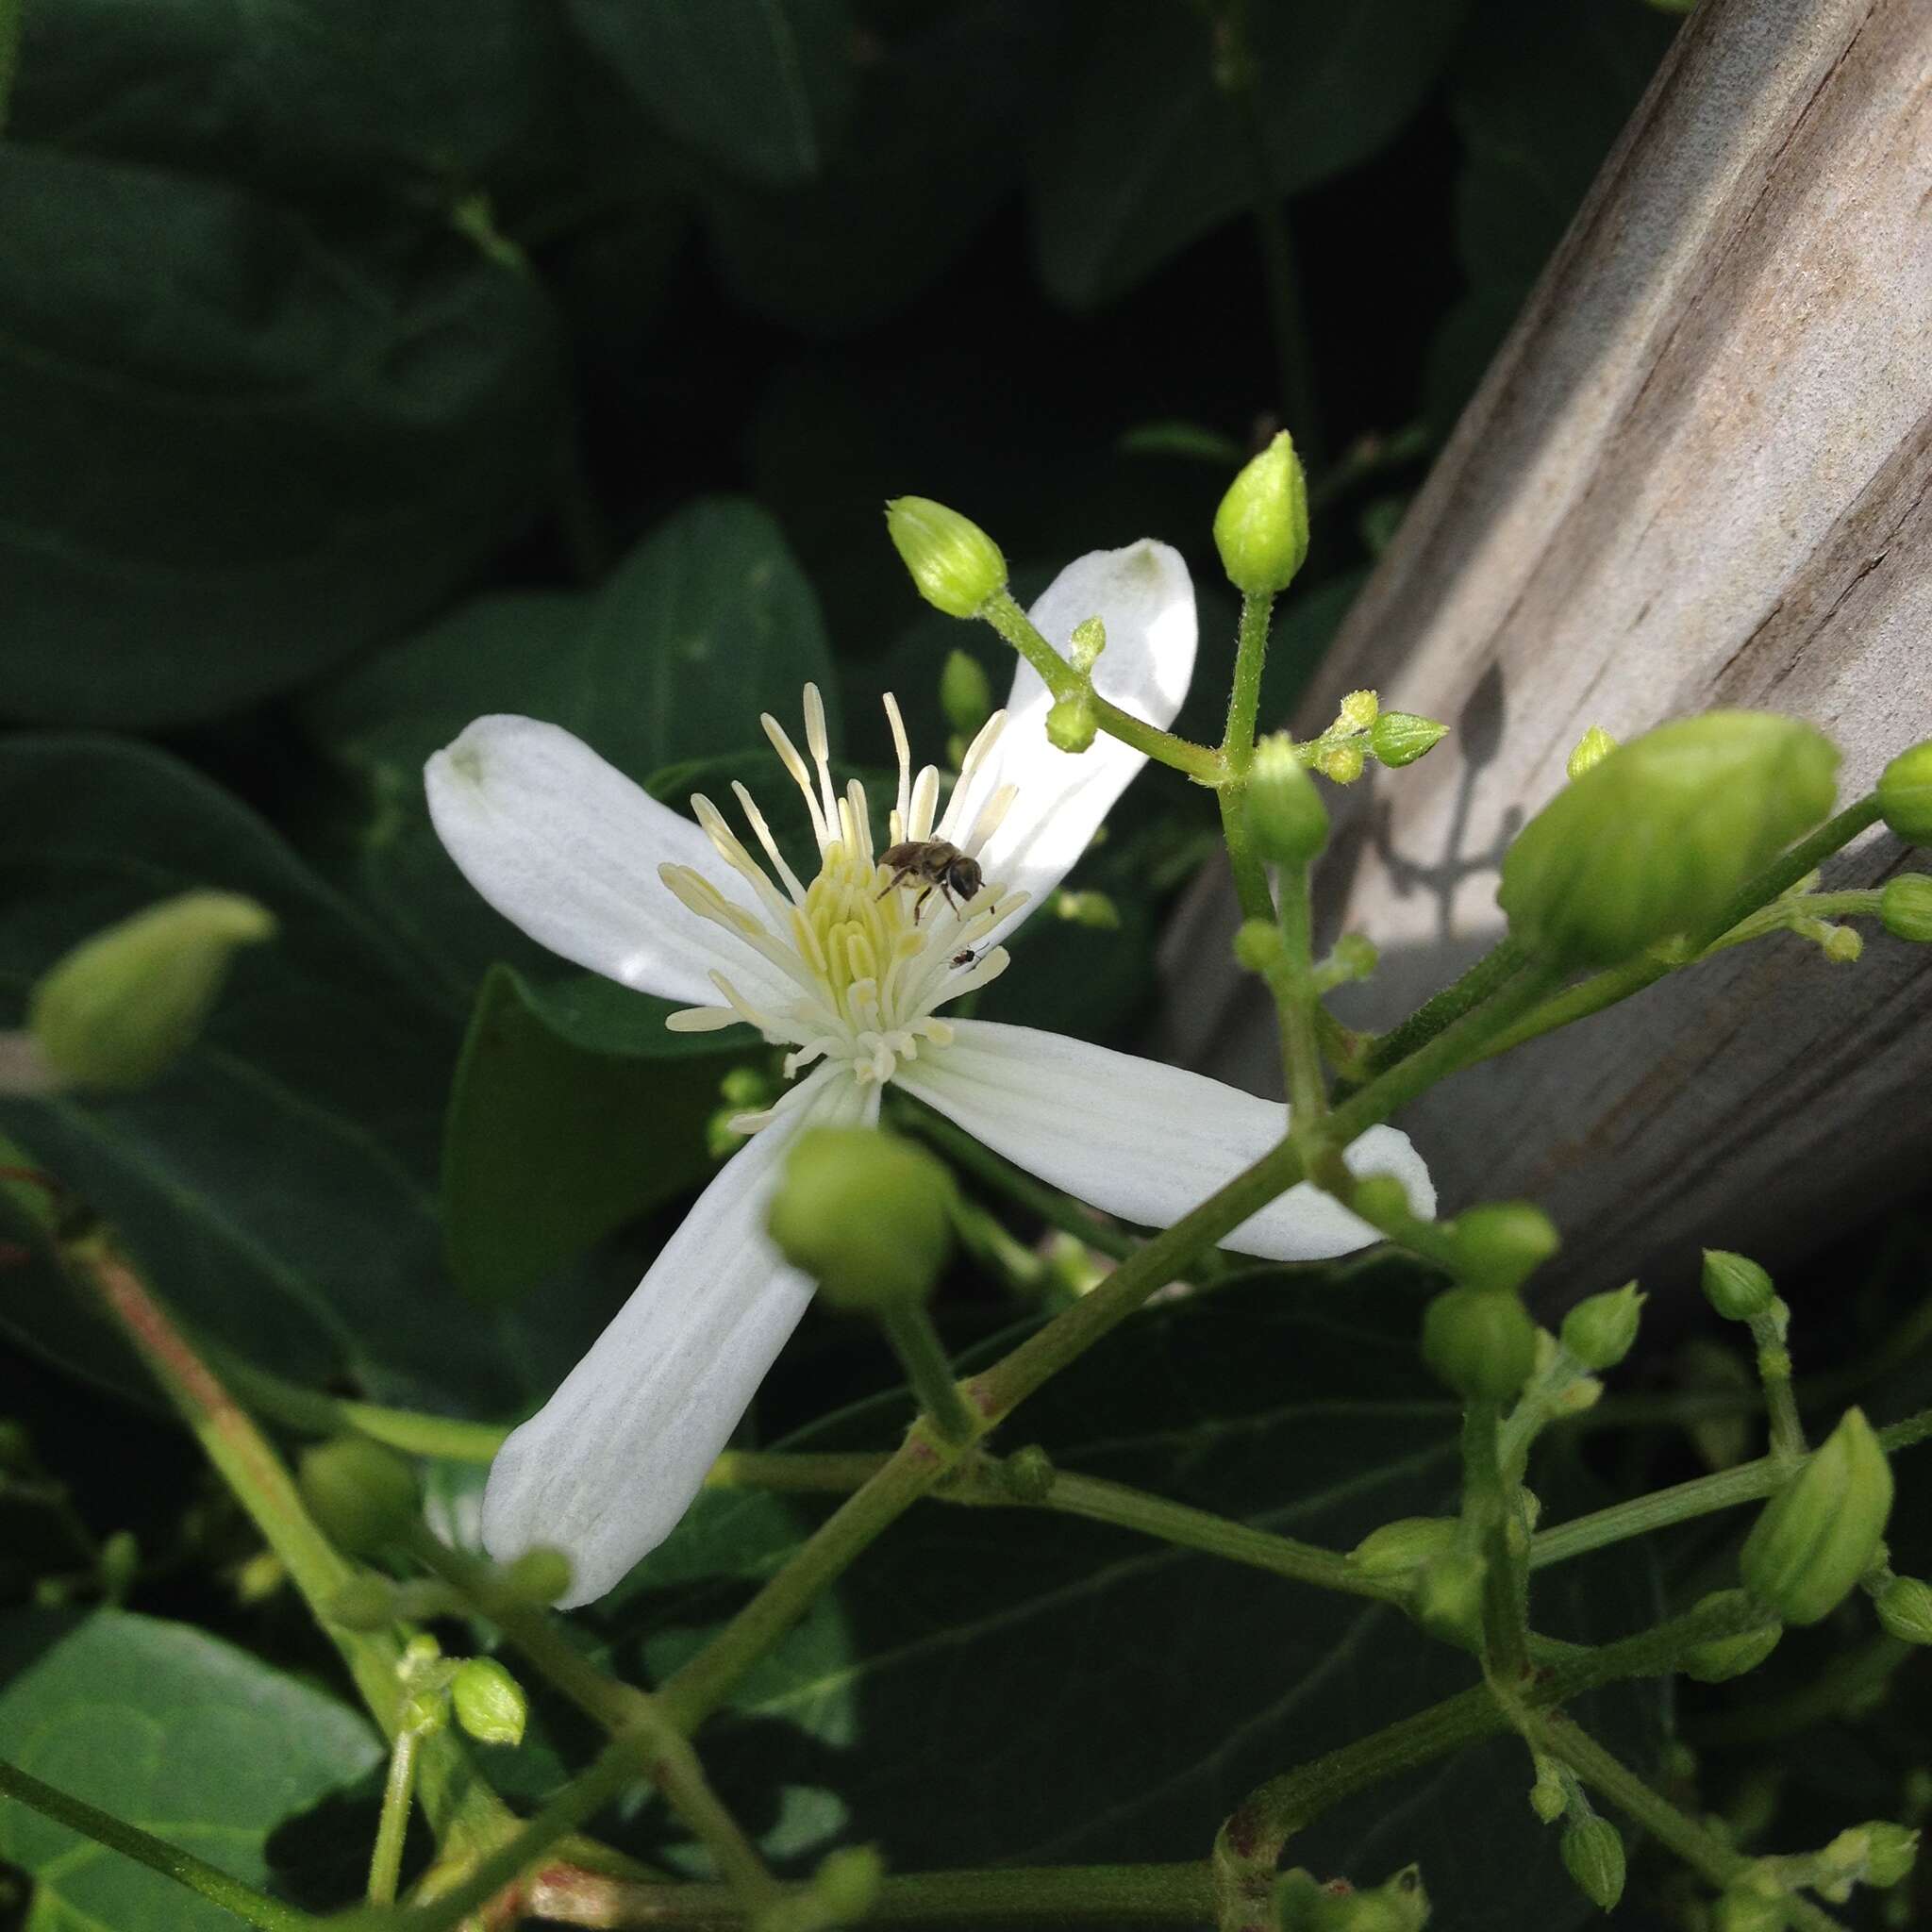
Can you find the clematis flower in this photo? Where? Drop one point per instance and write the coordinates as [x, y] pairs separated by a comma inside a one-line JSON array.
[[852, 973]]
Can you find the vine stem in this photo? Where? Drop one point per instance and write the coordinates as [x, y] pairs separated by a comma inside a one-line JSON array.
[[392, 1826], [184, 1868]]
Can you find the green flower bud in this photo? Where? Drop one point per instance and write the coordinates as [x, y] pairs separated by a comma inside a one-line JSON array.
[[1548, 1796], [1410, 1542], [118, 1010], [1904, 907], [1501, 1243], [120, 1564], [1447, 1600], [1745, 1909], [1259, 946], [1890, 1854], [1382, 1200], [1599, 1332], [1071, 724], [1818, 1535], [1654, 841], [1480, 1341], [1094, 910], [363, 1496], [1287, 819], [1400, 738], [1905, 794], [848, 1883], [539, 1575], [1905, 1608], [956, 565], [867, 1215], [746, 1088], [1027, 1473], [1303, 1903], [1085, 644], [423, 1713], [1340, 764], [1261, 528], [1593, 1856], [965, 692], [1354, 957], [1736, 1286], [488, 1703], [1356, 711], [1592, 749], [1725, 1658]]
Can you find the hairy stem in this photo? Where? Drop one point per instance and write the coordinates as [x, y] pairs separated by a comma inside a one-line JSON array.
[[393, 1826], [253, 1907]]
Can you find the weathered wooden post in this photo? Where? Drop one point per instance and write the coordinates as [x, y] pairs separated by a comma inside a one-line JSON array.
[[1697, 474]]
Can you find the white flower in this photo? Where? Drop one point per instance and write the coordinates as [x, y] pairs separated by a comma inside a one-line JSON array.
[[851, 974]]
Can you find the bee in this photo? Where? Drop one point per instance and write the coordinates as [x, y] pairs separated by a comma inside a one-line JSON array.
[[937, 866]]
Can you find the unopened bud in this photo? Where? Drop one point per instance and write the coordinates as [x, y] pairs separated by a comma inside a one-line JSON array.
[[1357, 712], [1746, 1908], [1725, 1658], [848, 1883], [1071, 726], [868, 1216], [118, 1564], [1354, 957], [1905, 1608], [1287, 819], [1400, 738], [1502, 1242], [122, 1007], [1408, 1543], [1904, 907], [956, 565], [965, 692], [1599, 1332], [1340, 764], [1549, 1797], [1089, 639], [1447, 1600], [1479, 1341], [1655, 839], [1303, 1903], [365, 1602], [1905, 794], [1382, 1200], [363, 1496], [1736, 1286], [1259, 946], [1879, 1855], [1261, 528], [1028, 1473], [1817, 1536], [539, 1575], [1592, 749], [1593, 1856], [488, 1703], [423, 1712]]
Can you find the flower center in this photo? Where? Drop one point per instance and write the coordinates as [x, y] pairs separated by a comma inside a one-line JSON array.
[[870, 952]]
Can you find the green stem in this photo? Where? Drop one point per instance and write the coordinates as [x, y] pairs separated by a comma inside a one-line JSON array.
[[253, 1907], [623, 1710], [392, 1827], [1750, 1482], [916, 1345], [461, 1805], [1199, 761], [692, 1691], [316, 1414], [1244, 862], [783, 1470], [1501, 963], [1780, 1401], [1245, 698], [1052, 1895], [1486, 1510], [1296, 1002]]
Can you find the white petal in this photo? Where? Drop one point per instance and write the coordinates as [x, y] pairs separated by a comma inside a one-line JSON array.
[[1143, 1140], [606, 1468], [567, 848], [1143, 595]]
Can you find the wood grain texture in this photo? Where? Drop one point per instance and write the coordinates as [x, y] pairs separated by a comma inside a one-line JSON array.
[[1697, 474]]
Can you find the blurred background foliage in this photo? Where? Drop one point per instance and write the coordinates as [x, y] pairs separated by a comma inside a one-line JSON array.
[[366, 367]]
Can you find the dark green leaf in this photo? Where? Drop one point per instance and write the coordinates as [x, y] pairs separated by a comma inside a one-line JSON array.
[[301, 96], [234, 454], [1146, 154], [277, 1184], [1003, 1685], [169, 1729], [760, 86], [548, 1147], [908, 190], [706, 623], [1539, 95]]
